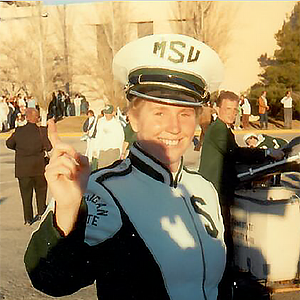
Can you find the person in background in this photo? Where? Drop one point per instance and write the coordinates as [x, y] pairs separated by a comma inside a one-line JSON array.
[[246, 111], [77, 104], [109, 138], [22, 101], [61, 103], [205, 119], [287, 102], [15, 109], [84, 106], [237, 122], [68, 105], [219, 156], [263, 108], [30, 143], [31, 103], [4, 110], [20, 120], [121, 116], [264, 141], [129, 138], [144, 227], [90, 128], [11, 117]]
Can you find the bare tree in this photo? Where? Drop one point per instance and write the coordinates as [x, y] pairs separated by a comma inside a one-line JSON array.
[[109, 37], [207, 21], [63, 60], [18, 3], [29, 58]]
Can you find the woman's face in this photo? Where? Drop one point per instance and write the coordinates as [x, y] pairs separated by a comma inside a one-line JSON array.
[[164, 131]]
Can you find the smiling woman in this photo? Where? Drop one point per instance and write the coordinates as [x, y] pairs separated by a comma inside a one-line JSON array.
[[164, 131], [145, 227]]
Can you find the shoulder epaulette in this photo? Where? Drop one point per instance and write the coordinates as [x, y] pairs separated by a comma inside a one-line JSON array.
[[118, 168]]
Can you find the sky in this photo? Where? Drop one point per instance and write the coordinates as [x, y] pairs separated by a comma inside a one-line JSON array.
[[256, 23], [59, 2]]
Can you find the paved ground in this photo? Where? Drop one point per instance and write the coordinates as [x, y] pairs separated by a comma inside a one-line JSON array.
[[14, 236]]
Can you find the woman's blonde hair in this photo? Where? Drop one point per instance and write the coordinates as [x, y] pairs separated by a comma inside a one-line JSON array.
[[136, 104]]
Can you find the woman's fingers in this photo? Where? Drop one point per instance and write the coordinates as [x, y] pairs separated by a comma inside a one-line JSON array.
[[61, 149], [62, 165], [66, 161], [52, 133]]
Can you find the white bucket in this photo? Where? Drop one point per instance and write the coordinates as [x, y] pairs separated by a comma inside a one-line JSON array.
[[266, 232]]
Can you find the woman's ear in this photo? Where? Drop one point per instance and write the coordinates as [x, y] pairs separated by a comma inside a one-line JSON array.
[[133, 120]]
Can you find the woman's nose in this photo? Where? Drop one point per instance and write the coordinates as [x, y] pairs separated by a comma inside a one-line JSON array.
[[174, 124]]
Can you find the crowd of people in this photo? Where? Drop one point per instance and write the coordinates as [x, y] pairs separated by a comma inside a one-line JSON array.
[[245, 111], [12, 108], [62, 105]]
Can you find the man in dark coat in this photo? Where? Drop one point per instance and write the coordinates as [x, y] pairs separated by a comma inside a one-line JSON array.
[[30, 143], [219, 156]]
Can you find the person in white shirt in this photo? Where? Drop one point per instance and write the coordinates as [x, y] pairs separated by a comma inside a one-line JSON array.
[[246, 108], [31, 103], [4, 110], [109, 138], [287, 102], [77, 103], [22, 101]]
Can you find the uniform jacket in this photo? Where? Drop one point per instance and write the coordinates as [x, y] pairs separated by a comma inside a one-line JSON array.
[[266, 141], [219, 156], [29, 142], [141, 234]]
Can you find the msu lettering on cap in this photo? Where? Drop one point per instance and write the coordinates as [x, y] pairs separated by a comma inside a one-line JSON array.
[[168, 68]]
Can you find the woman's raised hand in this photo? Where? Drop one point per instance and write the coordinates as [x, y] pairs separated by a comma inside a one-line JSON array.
[[67, 176]]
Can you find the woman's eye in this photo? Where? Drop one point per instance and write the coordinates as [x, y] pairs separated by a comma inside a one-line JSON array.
[[186, 114]]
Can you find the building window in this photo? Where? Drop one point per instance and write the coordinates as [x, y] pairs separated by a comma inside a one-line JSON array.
[[144, 28]]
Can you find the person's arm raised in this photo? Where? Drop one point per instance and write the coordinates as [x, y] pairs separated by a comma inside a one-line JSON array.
[[67, 176]]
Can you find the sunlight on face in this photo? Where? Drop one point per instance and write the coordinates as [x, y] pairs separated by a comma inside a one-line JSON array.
[[164, 131], [228, 111]]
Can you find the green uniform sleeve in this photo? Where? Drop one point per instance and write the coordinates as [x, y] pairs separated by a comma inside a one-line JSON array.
[[59, 265]]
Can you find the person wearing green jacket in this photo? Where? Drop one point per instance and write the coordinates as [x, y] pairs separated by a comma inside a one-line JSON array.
[[219, 156]]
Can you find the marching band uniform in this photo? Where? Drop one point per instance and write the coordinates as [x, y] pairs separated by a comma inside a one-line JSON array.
[[158, 236], [143, 232]]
